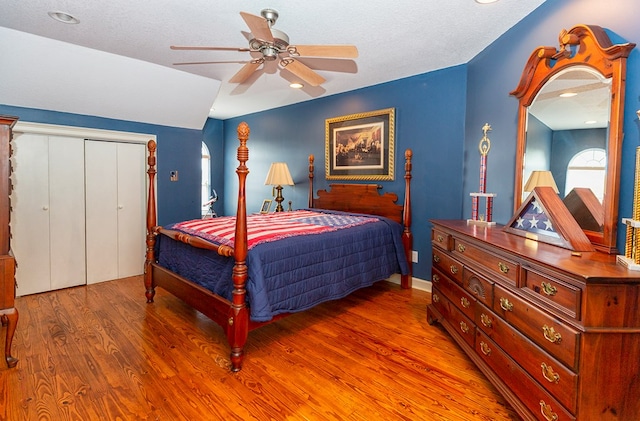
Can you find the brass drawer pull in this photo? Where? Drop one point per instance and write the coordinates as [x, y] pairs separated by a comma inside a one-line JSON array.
[[454, 269], [464, 328], [465, 303], [549, 289], [485, 349], [436, 258], [440, 239], [547, 412], [505, 304], [503, 268], [549, 374], [485, 320], [435, 278], [551, 335], [435, 298], [461, 248]]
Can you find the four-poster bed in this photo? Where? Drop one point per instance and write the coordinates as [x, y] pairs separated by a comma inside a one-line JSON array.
[[246, 271]]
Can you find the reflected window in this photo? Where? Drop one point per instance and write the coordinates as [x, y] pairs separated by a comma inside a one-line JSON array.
[[206, 179], [587, 169]]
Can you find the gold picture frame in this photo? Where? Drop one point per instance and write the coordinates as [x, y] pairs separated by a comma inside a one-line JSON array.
[[266, 206], [360, 146]]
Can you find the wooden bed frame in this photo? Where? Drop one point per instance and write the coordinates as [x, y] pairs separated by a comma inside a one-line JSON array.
[[233, 316]]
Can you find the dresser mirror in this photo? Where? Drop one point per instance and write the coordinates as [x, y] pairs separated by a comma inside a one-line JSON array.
[[570, 117]]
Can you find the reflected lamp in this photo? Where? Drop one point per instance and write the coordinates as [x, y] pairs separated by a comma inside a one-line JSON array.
[[540, 179]]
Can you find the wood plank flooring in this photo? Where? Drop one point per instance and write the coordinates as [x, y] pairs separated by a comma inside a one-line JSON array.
[[99, 352]]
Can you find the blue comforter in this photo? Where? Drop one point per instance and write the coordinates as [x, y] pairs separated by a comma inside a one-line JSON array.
[[296, 273]]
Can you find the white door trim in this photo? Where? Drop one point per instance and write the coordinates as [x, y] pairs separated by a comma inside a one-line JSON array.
[[82, 132]]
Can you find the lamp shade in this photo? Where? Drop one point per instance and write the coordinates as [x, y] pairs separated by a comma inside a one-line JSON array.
[[540, 179], [279, 175]]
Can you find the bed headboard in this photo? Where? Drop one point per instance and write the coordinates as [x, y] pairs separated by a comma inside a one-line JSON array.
[[362, 198], [359, 198], [365, 198]]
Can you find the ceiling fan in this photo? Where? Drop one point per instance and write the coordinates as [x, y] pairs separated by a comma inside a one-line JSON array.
[[269, 44]]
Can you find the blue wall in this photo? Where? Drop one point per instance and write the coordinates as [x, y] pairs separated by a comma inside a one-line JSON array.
[[178, 149], [496, 71], [429, 111]]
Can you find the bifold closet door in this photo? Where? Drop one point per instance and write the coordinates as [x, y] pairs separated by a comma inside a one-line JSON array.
[[115, 215], [132, 206], [47, 217]]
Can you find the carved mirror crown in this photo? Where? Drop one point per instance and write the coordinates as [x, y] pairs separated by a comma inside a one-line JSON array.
[[590, 73]]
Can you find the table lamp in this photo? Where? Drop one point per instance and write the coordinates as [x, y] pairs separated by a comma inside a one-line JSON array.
[[279, 176]]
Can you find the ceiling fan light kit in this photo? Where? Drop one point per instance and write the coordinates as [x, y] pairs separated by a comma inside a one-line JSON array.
[[271, 44]]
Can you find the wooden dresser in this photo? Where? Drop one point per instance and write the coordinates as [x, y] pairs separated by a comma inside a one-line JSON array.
[[8, 313], [557, 334]]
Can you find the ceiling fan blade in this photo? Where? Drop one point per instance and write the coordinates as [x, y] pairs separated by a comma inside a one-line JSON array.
[[302, 71], [210, 62], [258, 25], [178, 47], [337, 51], [329, 64], [245, 72]]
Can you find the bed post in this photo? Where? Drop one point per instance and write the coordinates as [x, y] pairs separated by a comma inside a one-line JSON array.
[[311, 169], [407, 237], [238, 320], [151, 222]]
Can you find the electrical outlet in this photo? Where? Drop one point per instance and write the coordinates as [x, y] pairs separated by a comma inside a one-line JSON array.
[[414, 256], [173, 175]]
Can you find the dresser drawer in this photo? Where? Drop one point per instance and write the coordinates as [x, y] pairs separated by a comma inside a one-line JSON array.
[[558, 380], [441, 238], [458, 296], [557, 338], [463, 326], [495, 265], [478, 286], [447, 265], [554, 292], [535, 398]]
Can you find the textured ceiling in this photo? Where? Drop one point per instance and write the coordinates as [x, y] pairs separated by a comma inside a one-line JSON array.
[[117, 63]]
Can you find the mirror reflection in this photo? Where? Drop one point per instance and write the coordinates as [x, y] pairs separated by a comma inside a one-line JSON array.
[[566, 138]]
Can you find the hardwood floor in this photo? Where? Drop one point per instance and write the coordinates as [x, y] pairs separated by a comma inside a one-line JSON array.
[[99, 352]]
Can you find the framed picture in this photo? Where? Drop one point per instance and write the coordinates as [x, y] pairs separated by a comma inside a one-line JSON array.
[[266, 205], [360, 146]]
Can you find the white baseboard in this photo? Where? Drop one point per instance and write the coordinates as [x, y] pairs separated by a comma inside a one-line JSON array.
[[416, 283]]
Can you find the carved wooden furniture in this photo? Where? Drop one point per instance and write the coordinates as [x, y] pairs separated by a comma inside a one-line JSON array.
[[588, 49], [233, 315], [8, 312], [557, 332]]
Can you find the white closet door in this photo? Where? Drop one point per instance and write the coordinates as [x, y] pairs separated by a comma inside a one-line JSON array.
[[67, 210], [30, 213], [131, 209], [101, 211]]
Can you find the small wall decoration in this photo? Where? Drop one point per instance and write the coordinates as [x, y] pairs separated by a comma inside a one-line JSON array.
[[476, 217], [360, 146]]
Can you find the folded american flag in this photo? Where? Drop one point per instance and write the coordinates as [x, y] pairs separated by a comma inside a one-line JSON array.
[[263, 228]]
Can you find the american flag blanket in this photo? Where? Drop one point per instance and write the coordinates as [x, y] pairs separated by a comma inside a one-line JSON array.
[[263, 228], [295, 274]]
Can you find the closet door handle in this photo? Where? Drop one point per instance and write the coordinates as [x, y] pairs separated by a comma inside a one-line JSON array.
[[45, 208], [120, 206]]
